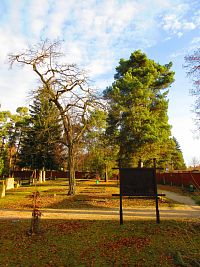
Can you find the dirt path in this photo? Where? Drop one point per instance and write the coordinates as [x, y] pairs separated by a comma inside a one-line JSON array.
[[188, 209], [106, 214], [178, 198]]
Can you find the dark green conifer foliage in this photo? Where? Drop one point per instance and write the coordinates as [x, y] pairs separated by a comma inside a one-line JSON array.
[[41, 146], [138, 105], [177, 156]]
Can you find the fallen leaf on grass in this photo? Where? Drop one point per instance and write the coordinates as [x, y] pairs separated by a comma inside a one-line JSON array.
[[112, 250]]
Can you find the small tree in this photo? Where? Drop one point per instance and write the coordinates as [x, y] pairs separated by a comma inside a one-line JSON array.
[[195, 162], [100, 156], [67, 87], [12, 128], [5, 117]]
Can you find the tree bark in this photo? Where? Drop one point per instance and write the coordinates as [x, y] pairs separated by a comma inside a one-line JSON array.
[[106, 173], [72, 178]]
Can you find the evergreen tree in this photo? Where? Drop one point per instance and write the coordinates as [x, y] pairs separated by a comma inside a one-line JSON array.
[[138, 121], [177, 156], [41, 146]]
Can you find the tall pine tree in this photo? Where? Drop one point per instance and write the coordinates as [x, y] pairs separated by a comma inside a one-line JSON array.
[[138, 105]]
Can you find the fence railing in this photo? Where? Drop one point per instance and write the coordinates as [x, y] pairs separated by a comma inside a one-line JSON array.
[[52, 174], [179, 179]]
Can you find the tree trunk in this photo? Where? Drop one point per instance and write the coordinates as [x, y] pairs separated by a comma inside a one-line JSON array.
[[72, 179], [106, 173], [40, 176]]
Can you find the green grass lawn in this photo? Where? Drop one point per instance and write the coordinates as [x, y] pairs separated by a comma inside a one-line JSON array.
[[93, 243], [53, 194], [100, 243]]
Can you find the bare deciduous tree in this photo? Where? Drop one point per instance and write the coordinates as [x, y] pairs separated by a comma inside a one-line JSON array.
[[67, 87], [192, 64], [195, 162]]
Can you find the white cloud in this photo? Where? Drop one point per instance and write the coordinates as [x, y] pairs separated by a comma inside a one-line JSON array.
[[189, 26], [195, 40], [38, 11], [15, 15], [14, 87], [99, 66], [185, 136], [194, 45], [96, 35], [10, 42], [60, 12], [179, 34], [197, 18], [178, 54], [177, 20], [171, 22], [174, 24]]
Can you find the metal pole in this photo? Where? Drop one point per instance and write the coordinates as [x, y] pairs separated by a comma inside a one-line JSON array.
[[121, 210], [156, 193], [120, 199]]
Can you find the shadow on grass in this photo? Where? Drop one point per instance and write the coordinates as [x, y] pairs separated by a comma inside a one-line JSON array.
[[53, 183], [83, 201], [105, 202], [90, 195]]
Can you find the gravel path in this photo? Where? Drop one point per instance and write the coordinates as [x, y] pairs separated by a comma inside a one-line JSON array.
[[112, 214], [178, 198]]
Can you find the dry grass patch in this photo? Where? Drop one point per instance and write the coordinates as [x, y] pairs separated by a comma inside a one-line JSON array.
[[53, 194], [100, 243]]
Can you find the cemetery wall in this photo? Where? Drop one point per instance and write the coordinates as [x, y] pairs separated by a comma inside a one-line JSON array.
[[179, 179]]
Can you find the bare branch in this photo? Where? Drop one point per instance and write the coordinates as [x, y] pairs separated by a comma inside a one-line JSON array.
[[65, 85]]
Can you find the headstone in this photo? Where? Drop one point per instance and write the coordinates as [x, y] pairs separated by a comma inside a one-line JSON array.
[[43, 175], [9, 183], [40, 177], [17, 183]]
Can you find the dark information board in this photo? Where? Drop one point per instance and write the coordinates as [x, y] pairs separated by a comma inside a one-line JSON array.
[[137, 181]]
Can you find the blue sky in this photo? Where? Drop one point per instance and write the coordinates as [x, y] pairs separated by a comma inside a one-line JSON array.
[[96, 34]]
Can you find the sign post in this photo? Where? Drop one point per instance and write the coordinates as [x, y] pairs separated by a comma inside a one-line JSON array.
[[138, 182]]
